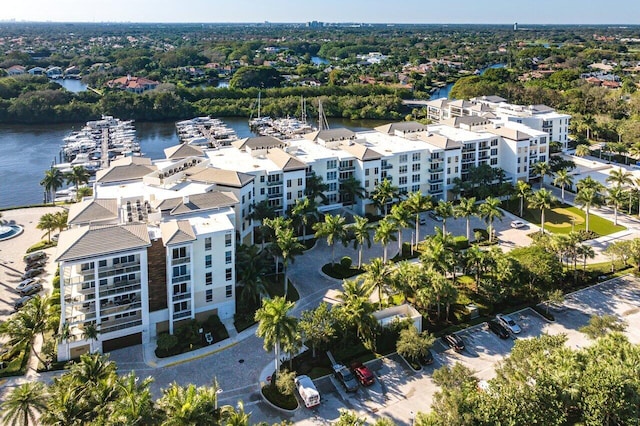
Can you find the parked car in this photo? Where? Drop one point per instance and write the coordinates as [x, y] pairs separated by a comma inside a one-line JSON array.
[[454, 342], [427, 359], [31, 289], [500, 330], [32, 273], [345, 377], [25, 283], [36, 264], [18, 304], [435, 217], [422, 220], [36, 255], [307, 391], [508, 322], [517, 224], [363, 374]]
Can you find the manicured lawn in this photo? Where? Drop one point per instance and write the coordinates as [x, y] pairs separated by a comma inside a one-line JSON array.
[[558, 219]]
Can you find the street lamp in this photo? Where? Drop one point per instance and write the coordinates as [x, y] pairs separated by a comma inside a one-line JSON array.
[[218, 392], [412, 417]]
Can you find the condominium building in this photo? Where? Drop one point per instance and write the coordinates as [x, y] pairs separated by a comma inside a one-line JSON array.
[[537, 117]]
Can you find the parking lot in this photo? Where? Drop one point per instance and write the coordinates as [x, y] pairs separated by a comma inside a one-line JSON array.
[[399, 392]]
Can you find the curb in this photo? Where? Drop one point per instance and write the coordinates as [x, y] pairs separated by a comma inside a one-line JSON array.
[[284, 410]]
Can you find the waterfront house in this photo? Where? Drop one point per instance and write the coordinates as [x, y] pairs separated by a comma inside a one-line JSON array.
[[133, 84]]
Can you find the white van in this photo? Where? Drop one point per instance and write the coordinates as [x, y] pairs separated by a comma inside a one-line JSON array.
[[307, 391]]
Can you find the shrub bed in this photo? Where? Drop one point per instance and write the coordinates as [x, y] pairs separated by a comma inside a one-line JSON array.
[[287, 402]]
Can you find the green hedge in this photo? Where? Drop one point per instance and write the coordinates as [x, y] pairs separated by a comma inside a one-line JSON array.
[[288, 402]]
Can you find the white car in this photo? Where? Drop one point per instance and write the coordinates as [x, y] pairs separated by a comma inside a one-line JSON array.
[[509, 323], [517, 224]]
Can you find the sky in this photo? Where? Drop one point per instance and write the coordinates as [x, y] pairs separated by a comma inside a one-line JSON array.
[[365, 11]]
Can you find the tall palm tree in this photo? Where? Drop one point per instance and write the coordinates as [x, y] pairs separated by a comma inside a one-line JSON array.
[[23, 404], [356, 308], [585, 252], [186, 406], [270, 232], [583, 150], [78, 176], [588, 122], [67, 405], [90, 332], [47, 223], [444, 209], [615, 198], [315, 188], [466, 209], [250, 269], [85, 191], [438, 256], [361, 235], [377, 276], [588, 197], [417, 203], [523, 190], [235, 417], [134, 405], [333, 229], [563, 178], [259, 213], [542, 169], [307, 211], [401, 217], [589, 182], [275, 325], [52, 181], [620, 177], [542, 199], [350, 190], [489, 211], [61, 219], [289, 248], [406, 278], [384, 235], [383, 194]]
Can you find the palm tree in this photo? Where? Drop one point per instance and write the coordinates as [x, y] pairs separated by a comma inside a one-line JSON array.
[[542, 199], [377, 277], [356, 310], [583, 150], [416, 203], [615, 198], [48, 222], [23, 403], [307, 210], [523, 190], [384, 235], [361, 235], [134, 405], [620, 177], [563, 178], [589, 182], [588, 122], [384, 193], [52, 181], [260, 212], [438, 256], [400, 217], [235, 417], [270, 231], [61, 219], [186, 406], [275, 325], [489, 211], [542, 169], [466, 209], [333, 229], [78, 176], [588, 197], [585, 252], [90, 332], [85, 191], [350, 190], [406, 278], [289, 248], [250, 269], [315, 188], [444, 209]]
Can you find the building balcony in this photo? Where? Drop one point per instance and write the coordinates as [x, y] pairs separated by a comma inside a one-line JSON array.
[[346, 168], [114, 308], [434, 181], [107, 269], [110, 272], [387, 166], [181, 315], [180, 278], [180, 296], [275, 183], [114, 291], [276, 195], [120, 323], [436, 170], [180, 260]]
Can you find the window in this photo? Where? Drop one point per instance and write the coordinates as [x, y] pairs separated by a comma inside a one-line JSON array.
[[494, 151], [332, 164], [102, 282], [367, 171], [288, 195], [376, 171], [227, 257], [243, 199], [180, 288], [274, 178], [288, 183], [415, 178], [179, 252], [415, 188], [415, 167], [179, 271], [86, 266], [180, 306], [494, 161], [299, 181], [207, 242], [366, 183], [332, 175], [262, 179], [208, 278], [228, 274], [402, 180], [402, 169], [415, 156], [332, 186], [494, 142], [227, 240], [403, 158], [207, 261], [261, 191], [209, 296], [300, 194], [102, 263], [228, 291]]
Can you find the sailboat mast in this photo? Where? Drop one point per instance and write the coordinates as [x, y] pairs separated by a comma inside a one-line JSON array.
[[258, 104], [323, 124]]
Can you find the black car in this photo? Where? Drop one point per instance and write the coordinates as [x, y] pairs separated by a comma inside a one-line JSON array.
[[35, 264], [453, 341], [32, 273], [31, 289], [499, 329]]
